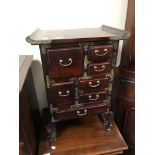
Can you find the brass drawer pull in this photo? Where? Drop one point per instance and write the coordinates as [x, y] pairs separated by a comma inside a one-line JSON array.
[[94, 99], [81, 114], [95, 85], [100, 55], [99, 70], [63, 95], [65, 65]]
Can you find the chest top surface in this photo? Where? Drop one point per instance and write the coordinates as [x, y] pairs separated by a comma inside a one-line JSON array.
[[76, 35]]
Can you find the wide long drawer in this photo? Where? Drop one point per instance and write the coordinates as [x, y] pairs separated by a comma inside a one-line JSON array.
[[81, 112]]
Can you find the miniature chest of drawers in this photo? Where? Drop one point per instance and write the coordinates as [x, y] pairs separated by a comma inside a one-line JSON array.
[[78, 67]]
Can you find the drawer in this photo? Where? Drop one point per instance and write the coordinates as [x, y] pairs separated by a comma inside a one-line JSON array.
[[93, 97], [63, 94], [77, 113], [98, 68], [99, 53], [93, 85], [66, 62], [127, 89]]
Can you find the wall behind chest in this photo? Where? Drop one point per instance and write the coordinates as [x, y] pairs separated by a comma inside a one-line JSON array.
[[60, 14]]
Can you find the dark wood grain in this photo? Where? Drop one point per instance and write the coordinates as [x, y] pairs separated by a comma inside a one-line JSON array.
[[27, 123], [93, 85], [29, 115], [45, 67], [84, 112], [67, 96], [81, 39], [84, 136], [70, 55], [129, 126], [127, 73], [77, 44], [99, 68], [126, 111], [98, 53], [90, 98], [124, 104], [73, 56], [127, 89]]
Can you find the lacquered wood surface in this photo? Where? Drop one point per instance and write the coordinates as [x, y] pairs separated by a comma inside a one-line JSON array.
[[66, 62], [91, 97], [93, 85], [63, 94], [99, 53], [126, 112], [84, 137], [127, 73], [127, 90], [99, 68], [84, 111]]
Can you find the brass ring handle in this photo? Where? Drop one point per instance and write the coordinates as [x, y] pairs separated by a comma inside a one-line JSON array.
[[100, 55], [94, 99], [63, 95], [95, 85], [81, 114], [99, 70], [65, 65]]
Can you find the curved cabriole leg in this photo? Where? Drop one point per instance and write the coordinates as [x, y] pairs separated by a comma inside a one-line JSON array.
[[107, 120]]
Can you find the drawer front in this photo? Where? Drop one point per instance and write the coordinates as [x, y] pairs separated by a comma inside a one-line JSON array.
[[99, 53], [91, 98], [93, 85], [66, 62], [63, 95], [127, 89], [98, 68], [77, 113], [129, 126]]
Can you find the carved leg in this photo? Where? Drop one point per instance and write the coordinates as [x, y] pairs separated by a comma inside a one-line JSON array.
[[107, 120], [51, 132]]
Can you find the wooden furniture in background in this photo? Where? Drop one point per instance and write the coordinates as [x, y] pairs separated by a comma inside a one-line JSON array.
[[78, 68], [125, 118], [126, 110], [128, 50], [85, 136], [29, 115]]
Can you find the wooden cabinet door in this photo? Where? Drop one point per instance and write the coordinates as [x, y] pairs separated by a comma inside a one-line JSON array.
[[129, 126], [126, 111]]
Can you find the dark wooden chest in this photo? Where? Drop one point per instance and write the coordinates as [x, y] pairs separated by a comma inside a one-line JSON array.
[[78, 68]]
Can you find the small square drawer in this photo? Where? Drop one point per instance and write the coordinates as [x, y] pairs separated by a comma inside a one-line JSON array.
[[93, 85], [98, 68], [66, 62], [63, 94], [82, 112], [99, 53], [90, 98]]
